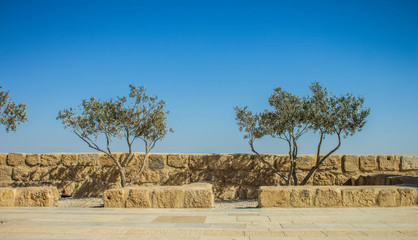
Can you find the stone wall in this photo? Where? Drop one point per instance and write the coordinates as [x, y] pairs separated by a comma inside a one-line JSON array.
[[29, 197], [234, 176]]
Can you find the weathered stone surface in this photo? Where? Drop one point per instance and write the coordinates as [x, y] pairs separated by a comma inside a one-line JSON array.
[[177, 160], [114, 198], [33, 159], [198, 195], [20, 173], [387, 197], [229, 193], [88, 159], [149, 176], [138, 197], [324, 179], [36, 197], [301, 197], [5, 173], [283, 163], [368, 163], [409, 163], [273, 197], [3, 157], [388, 163], [327, 197], [40, 174], [358, 197], [408, 196], [168, 197], [220, 162], [176, 177], [243, 161], [198, 162], [156, 161], [7, 197], [107, 161], [305, 162], [67, 188], [333, 162], [16, 159], [50, 159], [69, 159], [350, 163], [59, 173]]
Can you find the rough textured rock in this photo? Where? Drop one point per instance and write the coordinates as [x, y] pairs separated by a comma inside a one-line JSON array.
[[168, 197], [67, 188], [333, 162], [359, 197], [407, 196], [273, 197], [327, 197], [409, 163], [220, 162], [20, 173], [388, 163], [323, 179], [114, 198], [177, 160], [138, 197], [350, 163], [156, 162], [33, 159], [69, 159], [198, 162], [50, 159], [5, 173], [36, 197], [387, 197], [229, 193], [149, 176], [198, 195], [7, 197], [16, 159], [88, 159], [305, 162], [40, 174], [3, 157], [368, 163], [301, 197]]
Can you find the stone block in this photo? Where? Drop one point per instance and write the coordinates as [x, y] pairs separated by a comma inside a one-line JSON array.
[[50, 159], [301, 197], [5, 173], [327, 197], [350, 163], [368, 163], [386, 197], [273, 197], [7, 197], [333, 162], [114, 198], [59, 173], [324, 179], [3, 157], [33, 160], [407, 196], [358, 197], [168, 197], [88, 159], [388, 163], [220, 162], [69, 159], [36, 197], [107, 161], [20, 173], [243, 161], [149, 176], [176, 177], [67, 188], [138, 197], [177, 160], [283, 163], [40, 174], [16, 159], [198, 162], [409, 163], [305, 162], [198, 195], [228, 193], [156, 161]]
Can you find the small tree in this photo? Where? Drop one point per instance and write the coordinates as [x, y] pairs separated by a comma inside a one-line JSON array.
[[11, 114], [293, 116], [142, 118]]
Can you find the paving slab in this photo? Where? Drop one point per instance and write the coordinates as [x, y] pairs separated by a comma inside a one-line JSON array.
[[205, 224]]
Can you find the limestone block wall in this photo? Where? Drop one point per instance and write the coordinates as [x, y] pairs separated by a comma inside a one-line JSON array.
[[234, 176], [29, 197]]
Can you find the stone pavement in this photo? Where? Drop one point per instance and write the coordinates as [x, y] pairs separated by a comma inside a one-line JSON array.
[[205, 224]]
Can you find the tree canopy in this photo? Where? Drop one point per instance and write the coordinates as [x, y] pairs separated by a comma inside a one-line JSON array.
[[11, 114]]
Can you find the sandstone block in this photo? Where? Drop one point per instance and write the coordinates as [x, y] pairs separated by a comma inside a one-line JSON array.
[[359, 197], [198, 195], [7, 197], [283, 163], [387, 197], [5, 173], [36, 197], [243, 161], [3, 157], [350, 163], [33, 159], [176, 177], [88, 159], [40, 174], [149, 176], [409, 163], [138, 197], [333, 162], [50, 159], [69, 159], [220, 162], [177, 160], [305, 162], [16, 159], [198, 162], [67, 188], [368, 163], [324, 179], [388, 163], [327, 197], [106, 161], [301, 197], [20, 173], [156, 161], [228, 193], [273, 197], [114, 198], [168, 197], [59, 173], [408, 196]]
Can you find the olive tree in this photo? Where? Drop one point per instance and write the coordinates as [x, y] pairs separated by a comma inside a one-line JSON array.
[[292, 116], [11, 114], [137, 116]]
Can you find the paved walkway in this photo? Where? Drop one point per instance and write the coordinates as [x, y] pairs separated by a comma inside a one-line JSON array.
[[203, 224]]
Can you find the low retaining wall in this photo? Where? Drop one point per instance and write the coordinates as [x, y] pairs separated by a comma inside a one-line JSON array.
[[337, 196], [29, 197], [196, 195]]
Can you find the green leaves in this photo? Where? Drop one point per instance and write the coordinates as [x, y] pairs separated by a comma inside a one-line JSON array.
[[11, 114]]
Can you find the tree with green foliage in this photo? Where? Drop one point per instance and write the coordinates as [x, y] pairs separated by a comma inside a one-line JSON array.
[[11, 114], [292, 116], [138, 117]]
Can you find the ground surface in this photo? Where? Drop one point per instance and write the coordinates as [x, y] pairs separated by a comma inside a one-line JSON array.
[[202, 224]]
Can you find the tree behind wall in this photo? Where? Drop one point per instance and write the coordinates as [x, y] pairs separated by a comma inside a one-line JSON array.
[[11, 114], [128, 118]]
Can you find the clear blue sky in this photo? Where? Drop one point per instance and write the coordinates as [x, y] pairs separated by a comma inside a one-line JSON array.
[[205, 57]]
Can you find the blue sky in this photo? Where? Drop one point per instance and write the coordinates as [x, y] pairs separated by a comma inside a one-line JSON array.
[[205, 57]]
